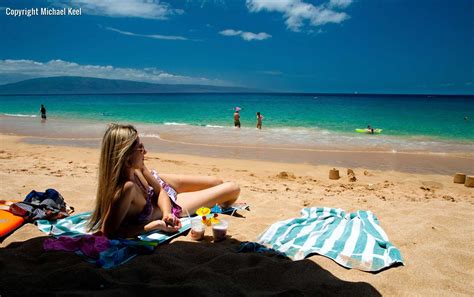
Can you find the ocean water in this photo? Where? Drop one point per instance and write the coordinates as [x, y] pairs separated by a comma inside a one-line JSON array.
[[425, 123]]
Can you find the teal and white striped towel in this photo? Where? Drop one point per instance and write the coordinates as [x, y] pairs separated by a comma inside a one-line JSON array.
[[353, 240], [77, 225]]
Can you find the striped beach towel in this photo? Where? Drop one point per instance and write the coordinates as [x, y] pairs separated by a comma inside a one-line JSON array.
[[354, 240], [117, 251], [77, 225]]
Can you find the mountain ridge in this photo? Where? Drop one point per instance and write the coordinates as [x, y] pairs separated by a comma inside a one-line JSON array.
[[68, 85]]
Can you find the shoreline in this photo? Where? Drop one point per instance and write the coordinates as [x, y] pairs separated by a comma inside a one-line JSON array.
[[236, 145], [382, 141]]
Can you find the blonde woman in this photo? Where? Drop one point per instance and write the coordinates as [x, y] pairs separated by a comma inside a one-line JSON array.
[[132, 199]]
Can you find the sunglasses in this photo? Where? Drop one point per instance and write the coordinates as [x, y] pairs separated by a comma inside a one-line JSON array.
[[141, 148]]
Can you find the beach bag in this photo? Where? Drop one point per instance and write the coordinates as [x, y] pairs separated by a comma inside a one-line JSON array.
[[48, 205]]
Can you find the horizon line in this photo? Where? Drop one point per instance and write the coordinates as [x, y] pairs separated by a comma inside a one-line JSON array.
[[250, 93]]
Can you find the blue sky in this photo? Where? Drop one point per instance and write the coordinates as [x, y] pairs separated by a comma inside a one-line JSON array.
[[336, 46]]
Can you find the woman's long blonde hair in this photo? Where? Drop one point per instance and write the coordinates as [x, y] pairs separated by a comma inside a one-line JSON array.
[[117, 145]]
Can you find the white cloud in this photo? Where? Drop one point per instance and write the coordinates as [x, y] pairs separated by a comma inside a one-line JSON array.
[[270, 5], [247, 36], [34, 69], [230, 32], [340, 3], [325, 16], [154, 36], [297, 12], [147, 9]]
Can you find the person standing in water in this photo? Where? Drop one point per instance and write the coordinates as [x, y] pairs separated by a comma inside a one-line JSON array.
[[259, 120], [237, 117], [43, 112]]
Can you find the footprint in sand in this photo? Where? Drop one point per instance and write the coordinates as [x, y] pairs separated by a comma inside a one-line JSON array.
[[286, 175], [431, 184], [449, 198], [174, 162], [347, 187], [367, 173], [6, 156], [426, 189]]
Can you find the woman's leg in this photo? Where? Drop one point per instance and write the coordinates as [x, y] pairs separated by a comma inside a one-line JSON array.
[[223, 194], [190, 183]]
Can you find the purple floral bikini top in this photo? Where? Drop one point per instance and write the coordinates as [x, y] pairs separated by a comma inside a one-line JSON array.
[[145, 215]]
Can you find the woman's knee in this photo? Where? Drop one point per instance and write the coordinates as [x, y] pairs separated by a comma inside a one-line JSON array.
[[232, 187]]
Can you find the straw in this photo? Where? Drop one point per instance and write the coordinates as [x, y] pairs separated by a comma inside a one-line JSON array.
[[187, 213]]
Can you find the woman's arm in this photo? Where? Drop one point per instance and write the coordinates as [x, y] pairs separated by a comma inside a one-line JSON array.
[[164, 202], [112, 225], [113, 222], [134, 230]]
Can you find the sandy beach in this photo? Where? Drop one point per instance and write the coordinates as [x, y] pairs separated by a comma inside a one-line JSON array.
[[426, 216]]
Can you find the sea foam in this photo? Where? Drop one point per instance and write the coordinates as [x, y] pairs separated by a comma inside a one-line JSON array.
[[21, 115]]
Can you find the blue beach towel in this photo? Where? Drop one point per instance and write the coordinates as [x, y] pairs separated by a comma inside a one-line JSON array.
[[120, 250], [354, 240]]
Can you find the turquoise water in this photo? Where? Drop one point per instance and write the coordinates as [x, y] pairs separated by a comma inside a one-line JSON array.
[[405, 116]]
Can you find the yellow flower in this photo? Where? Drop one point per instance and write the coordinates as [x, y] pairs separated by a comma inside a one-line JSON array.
[[203, 211], [214, 220]]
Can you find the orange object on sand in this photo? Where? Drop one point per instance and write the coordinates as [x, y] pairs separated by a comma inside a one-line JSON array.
[[9, 222]]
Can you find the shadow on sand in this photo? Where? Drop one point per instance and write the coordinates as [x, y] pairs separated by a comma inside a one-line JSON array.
[[177, 269]]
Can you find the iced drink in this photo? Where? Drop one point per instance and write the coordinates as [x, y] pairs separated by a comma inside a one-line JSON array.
[[197, 228], [219, 230]]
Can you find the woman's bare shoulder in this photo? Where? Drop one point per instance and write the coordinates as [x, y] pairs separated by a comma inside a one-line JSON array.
[[128, 186], [127, 193]]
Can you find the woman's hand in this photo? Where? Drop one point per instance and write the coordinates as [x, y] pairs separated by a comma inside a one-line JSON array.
[[162, 226], [171, 220]]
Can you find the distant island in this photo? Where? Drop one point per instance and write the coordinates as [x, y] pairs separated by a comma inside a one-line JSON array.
[[77, 85], [63, 85]]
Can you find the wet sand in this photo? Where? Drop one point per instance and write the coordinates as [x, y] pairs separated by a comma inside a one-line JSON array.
[[236, 145]]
